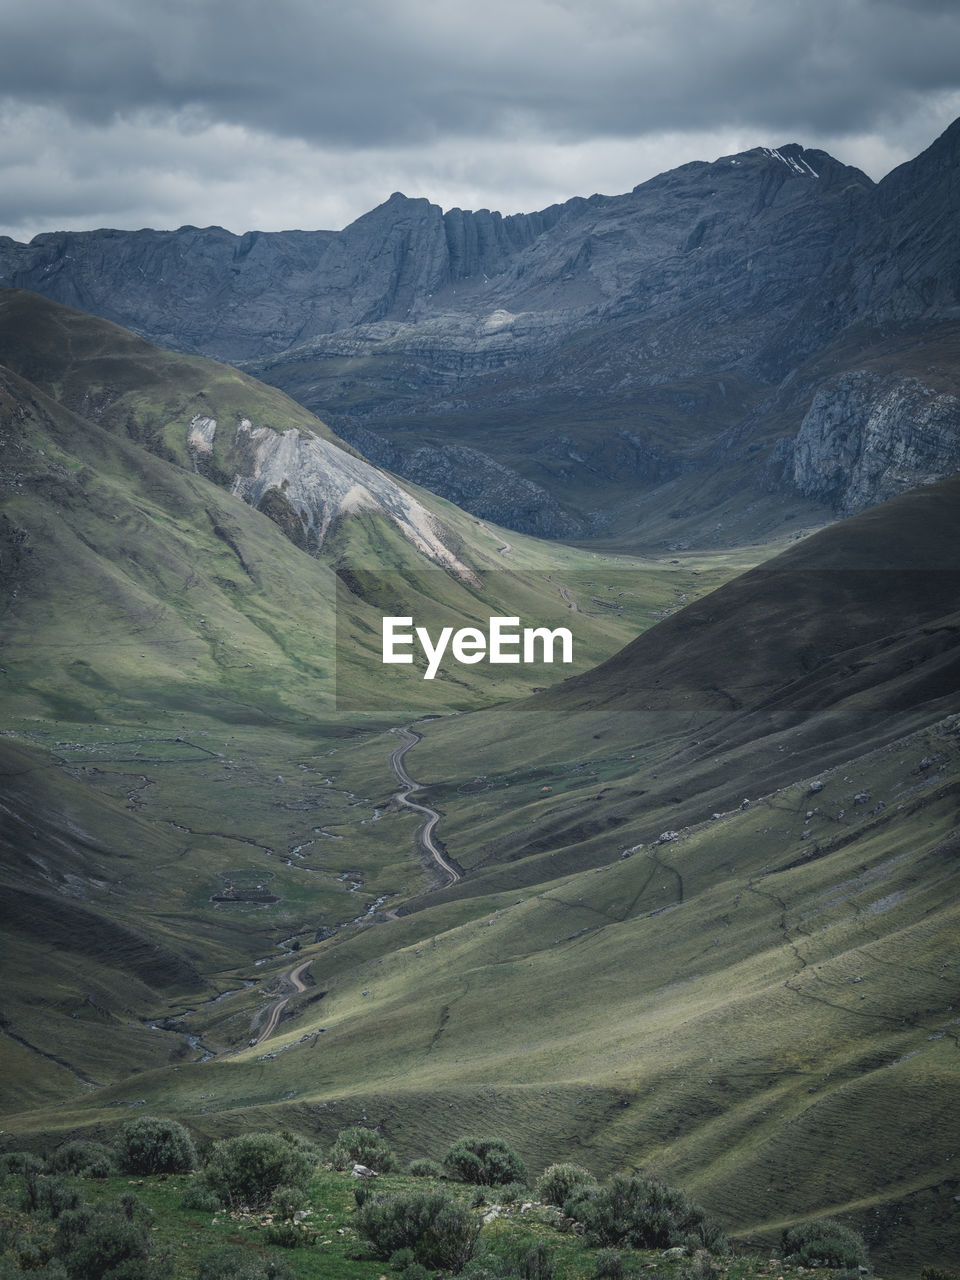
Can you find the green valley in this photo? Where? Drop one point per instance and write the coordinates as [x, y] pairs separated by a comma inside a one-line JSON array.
[[705, 918]]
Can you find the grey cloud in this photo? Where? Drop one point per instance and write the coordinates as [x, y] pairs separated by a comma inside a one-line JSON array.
[[381, 71], [307, 113]]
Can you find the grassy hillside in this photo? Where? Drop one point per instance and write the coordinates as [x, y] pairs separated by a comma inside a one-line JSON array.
[[171, 676], [714, 945], [707, 917], [760, 1010]]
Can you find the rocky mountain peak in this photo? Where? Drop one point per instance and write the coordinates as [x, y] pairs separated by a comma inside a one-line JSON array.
[[597, 321]]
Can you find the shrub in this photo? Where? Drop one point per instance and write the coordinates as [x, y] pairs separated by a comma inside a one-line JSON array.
[[488, 1162], [825, 1243], [234, 1263], [644, 1214], [404, 1260], [48, 1195], [106, 1244], [527, 1262], [286, 1201], [424, 1168], [34, 1260], [558, 1182], [247, 1170], [92, 1159], [290, 1235], [405, 1264], [310, 1149], [197, 1195], [439, 1231], [148, 1145], [100, 1167], [359, 1145], [511, 1192], [20, 1162], [702, 1267], [608, 1264], [511, 1260]]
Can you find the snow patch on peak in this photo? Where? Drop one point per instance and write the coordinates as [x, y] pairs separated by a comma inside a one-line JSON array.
[[795, 163]]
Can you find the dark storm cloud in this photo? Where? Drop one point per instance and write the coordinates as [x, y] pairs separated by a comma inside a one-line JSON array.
[[381, 71], [307, 113]]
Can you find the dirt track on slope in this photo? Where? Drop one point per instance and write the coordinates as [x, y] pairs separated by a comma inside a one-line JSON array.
[[408, 785], [295, 977]]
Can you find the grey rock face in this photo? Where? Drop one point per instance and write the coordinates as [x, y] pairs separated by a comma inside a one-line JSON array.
[[233, 297], [908, 264], [866, 438], [467, 285], [592, 336], [474, 481]]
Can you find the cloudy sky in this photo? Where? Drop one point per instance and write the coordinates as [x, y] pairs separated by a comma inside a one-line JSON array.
[[273, 114]]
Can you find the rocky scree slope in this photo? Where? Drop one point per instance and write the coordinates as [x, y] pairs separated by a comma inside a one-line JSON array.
[[600, 350]]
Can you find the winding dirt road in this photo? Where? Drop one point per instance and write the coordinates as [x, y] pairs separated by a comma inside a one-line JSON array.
[[408, 785], [295, 977], [505, 548]]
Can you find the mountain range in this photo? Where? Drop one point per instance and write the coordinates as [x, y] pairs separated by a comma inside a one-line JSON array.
[[623, 367], [699, 911]]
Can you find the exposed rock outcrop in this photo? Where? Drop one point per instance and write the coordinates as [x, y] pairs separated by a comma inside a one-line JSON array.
[[307, 484], [866, 438]]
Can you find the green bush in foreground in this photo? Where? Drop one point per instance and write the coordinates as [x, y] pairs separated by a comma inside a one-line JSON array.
[[511, 1260], [234, 1263], [703, 1267], [249, 1169], [197, 1195], [286, 1202], [359, 1145], [48, 1196], [290, 1235], [644, 1214], [558, 1182], [822, 1242], [89, 1159], [29, 1261], [438, 1230], [608, 1264], [111, 1243], [148, 1145], [424, 1168], [310, 1149], [20, 1162], [405, 1264], [487, 1162]]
